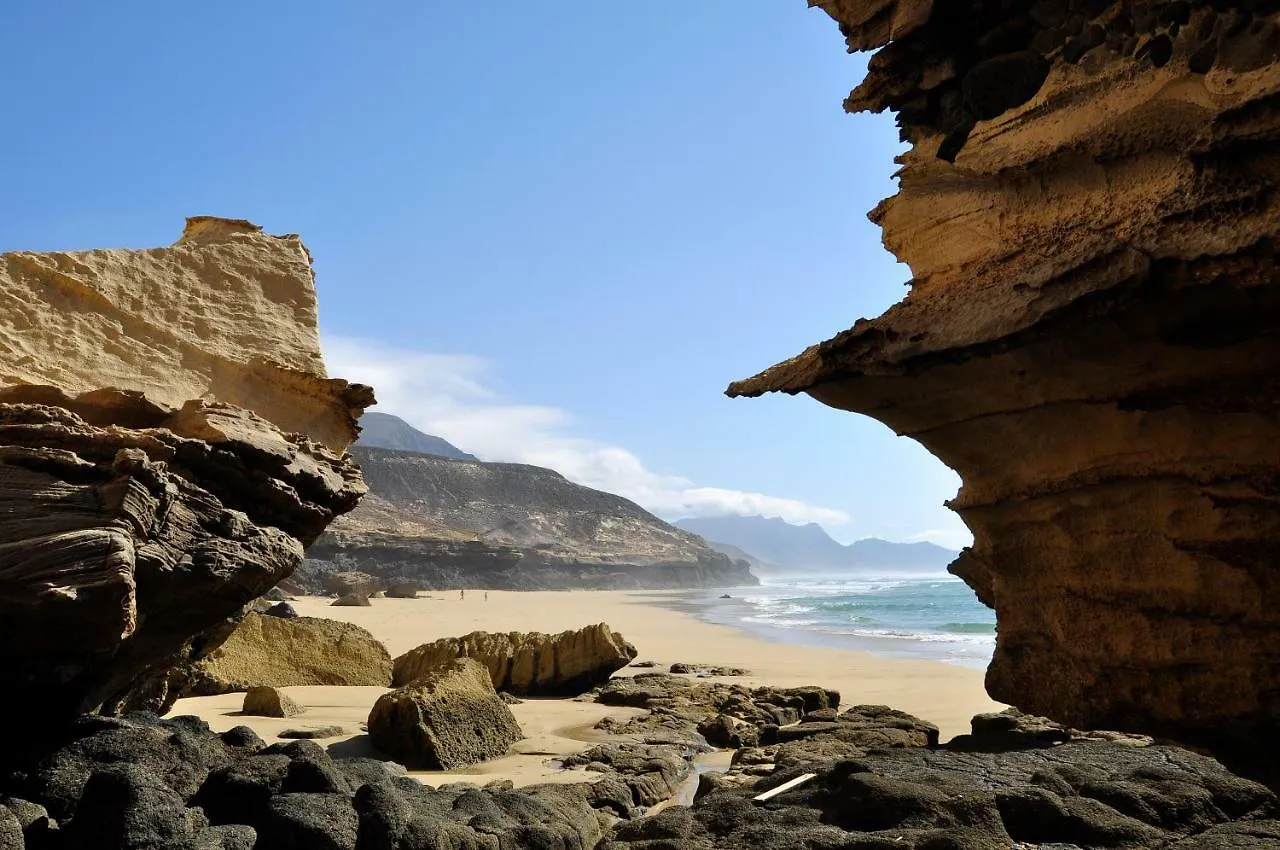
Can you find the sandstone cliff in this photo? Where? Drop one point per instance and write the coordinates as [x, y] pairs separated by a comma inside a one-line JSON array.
[[168, 446], [1089, 211], [455, 523], [226, 312]]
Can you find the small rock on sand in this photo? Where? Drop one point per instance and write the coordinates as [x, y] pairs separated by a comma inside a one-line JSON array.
[[264, 701], [282, 609]]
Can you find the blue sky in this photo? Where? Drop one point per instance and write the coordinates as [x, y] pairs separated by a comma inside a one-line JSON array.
[[550, 232]]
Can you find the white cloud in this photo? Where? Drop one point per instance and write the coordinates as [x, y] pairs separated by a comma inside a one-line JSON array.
[[951, 538], [446, 395]]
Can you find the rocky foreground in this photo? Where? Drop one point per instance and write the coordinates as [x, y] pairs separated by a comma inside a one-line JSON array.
[[879, 779]]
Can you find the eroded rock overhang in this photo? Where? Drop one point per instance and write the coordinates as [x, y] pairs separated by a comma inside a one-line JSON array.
[[1091, 340], [169, 443]]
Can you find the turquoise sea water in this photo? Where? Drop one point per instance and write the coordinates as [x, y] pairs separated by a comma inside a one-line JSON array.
[[933, 616]]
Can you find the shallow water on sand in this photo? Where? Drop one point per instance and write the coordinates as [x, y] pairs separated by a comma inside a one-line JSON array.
[[928, 616]]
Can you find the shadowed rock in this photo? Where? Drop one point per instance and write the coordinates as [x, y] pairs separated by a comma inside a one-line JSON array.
[[1086, 792], [127, 550], [282, 653]]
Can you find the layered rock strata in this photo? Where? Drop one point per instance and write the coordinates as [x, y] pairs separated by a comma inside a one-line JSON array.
[[169, 443], [124, 550], [447, 523], [527, 663], [1089, 212]]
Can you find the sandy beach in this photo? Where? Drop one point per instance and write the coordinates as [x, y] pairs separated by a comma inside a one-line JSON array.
[[944, 694]]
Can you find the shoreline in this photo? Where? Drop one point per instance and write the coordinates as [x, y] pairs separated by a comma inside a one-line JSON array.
[[706, 606], [946, 695]]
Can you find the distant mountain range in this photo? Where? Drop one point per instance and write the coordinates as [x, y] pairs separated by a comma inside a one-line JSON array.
[[769, 543], [384, 431], [443, 519]]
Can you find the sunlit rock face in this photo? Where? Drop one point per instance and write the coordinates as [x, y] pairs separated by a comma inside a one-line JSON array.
[[1091, 339], [227, 312], [169, 442]]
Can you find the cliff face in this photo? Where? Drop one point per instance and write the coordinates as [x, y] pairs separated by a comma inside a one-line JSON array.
[[1091, 340], [138, 517], [227, 311], [454, 523]]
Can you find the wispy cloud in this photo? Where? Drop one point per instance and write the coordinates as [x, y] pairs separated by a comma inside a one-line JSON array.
[[447, 395], [951, 538]]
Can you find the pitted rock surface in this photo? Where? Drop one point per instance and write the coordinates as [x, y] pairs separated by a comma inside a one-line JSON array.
[[1086, 792], [528, 663], [285, 652], [448, 718]]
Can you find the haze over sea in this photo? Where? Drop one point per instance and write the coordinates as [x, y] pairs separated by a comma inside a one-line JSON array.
[[931, 616]]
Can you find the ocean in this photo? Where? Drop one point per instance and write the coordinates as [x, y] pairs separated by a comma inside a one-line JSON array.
[[927, 616]]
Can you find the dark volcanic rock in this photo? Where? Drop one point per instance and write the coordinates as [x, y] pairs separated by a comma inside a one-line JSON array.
[[127, 807], [283, 610], [241, 792], [707, 670], [540, 531], [1081, 794], [313, 732], [181, 752], [651, 772], [882, 782], [311, 822], [687, 711]]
